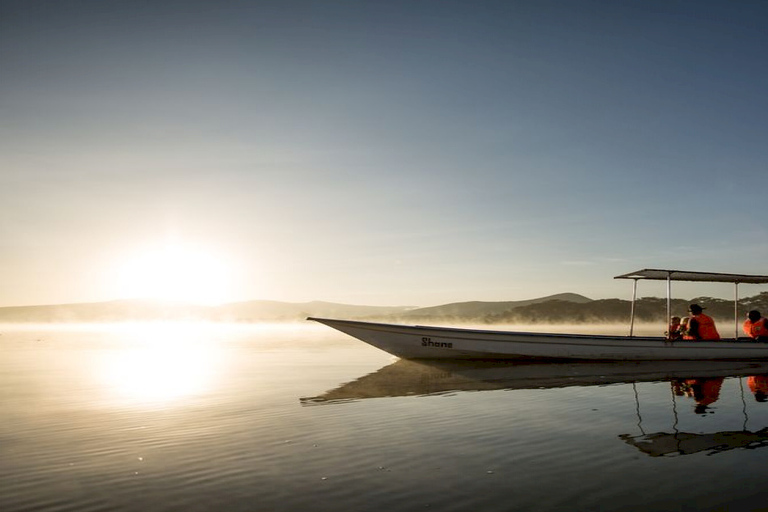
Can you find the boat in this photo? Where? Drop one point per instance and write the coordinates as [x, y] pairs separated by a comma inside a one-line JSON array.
[[433, 342]]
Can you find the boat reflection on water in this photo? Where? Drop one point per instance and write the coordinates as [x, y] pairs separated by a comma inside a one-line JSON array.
[[424, 377], [704, 392], [699, 382]]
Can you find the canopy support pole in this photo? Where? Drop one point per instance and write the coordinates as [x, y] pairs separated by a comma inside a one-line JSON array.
[[632, 314], [669, 297], [736, 311]]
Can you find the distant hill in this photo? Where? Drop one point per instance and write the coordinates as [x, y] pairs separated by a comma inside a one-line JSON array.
[[142, 310], [477, 310], [112, 311], [647, 309], [272, 311]]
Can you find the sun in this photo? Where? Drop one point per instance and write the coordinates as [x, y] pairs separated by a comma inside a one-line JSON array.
[[176, 272]]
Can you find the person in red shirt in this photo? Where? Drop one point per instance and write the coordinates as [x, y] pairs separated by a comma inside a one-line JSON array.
[[700, 326], [755, 326]]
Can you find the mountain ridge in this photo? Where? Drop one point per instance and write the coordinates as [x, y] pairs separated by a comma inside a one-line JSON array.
[[558, 308], [241, 311]]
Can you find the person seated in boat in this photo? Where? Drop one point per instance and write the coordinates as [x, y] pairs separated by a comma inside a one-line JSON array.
[[755, 326], [700, 326], [673, 331]]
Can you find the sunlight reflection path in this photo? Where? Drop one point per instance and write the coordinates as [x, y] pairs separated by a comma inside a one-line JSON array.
[[160, 364]]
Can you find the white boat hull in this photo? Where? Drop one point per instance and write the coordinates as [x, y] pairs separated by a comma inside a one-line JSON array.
[[425, 342]]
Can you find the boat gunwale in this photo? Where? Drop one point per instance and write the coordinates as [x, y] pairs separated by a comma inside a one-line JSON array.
[[561, 337]]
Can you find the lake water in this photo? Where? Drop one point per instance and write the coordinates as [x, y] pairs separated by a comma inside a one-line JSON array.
[[298, 417]]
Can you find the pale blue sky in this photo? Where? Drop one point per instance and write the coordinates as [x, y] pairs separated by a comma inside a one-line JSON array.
[[398, 152]]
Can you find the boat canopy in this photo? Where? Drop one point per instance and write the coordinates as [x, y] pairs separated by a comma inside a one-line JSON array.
[[656, 274]]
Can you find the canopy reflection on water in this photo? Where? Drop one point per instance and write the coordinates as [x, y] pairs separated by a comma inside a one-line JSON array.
[[704, 391]]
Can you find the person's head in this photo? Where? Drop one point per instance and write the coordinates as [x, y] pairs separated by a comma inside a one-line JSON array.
[[753, 315], [695, 309], [675, 320]]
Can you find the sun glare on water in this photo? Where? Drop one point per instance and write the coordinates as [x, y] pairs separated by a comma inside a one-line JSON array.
[[161, 364], [175, 272]]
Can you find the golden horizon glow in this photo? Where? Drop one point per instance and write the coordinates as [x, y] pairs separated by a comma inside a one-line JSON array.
[[178, 273]]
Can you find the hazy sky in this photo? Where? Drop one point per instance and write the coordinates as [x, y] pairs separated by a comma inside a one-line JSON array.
[[380, 152]]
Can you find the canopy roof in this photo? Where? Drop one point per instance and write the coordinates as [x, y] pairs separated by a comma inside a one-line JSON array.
[[686, 275]]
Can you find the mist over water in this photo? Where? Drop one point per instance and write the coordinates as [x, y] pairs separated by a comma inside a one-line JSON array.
[[221, 417]]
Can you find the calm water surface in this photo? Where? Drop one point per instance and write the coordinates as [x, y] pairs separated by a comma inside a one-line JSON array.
[[273, 418]]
